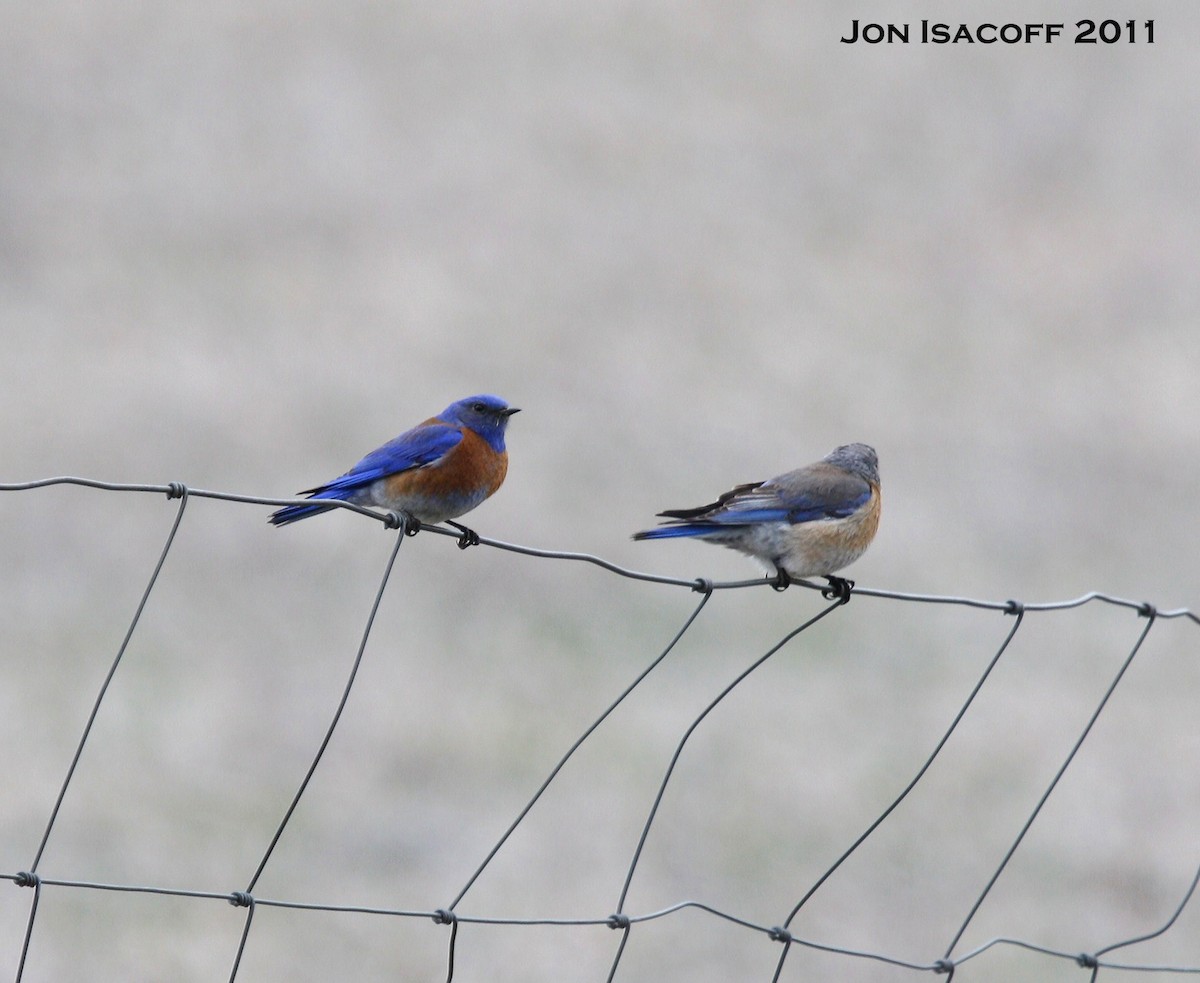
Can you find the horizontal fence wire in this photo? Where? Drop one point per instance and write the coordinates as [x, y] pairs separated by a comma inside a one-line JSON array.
[[618, 919]]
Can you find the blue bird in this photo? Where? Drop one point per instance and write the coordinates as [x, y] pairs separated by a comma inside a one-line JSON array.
[[435, 472]]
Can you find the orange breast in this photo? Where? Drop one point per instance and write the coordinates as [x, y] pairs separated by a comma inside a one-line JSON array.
[[471, 467], [460, 481]]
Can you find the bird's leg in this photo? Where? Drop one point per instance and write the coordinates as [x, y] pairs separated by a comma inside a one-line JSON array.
[[469, 537], [839, 589], [782, 579]]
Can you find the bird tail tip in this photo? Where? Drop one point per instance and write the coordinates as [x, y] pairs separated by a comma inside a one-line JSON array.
[[294, 513], [672, 532]]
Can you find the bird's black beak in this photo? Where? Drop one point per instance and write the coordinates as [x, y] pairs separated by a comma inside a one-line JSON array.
[[510, 411]]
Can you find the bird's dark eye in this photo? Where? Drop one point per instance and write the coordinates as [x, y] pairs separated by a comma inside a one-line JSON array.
[[478, 407]]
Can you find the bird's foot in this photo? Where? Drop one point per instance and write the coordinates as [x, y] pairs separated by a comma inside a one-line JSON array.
[[468, 537], [838, 590], [399, 519], [782, 579]]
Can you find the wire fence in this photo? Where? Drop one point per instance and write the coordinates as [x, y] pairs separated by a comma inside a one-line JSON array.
[[624, 923]]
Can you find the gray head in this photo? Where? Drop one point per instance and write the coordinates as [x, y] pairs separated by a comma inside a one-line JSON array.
[[486, 415], [859, 459]]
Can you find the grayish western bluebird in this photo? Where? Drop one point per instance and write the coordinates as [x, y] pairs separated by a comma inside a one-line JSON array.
[[809, 522]]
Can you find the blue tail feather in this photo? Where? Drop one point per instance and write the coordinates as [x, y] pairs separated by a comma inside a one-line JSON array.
[[677, 532]]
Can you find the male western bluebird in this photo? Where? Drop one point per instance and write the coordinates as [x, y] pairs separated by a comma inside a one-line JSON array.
[[435, 472], [808, 522]]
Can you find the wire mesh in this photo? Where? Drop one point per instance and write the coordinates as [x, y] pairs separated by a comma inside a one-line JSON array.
[[783, 935]]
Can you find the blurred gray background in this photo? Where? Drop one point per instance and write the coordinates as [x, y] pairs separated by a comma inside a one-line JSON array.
[[243, 243]]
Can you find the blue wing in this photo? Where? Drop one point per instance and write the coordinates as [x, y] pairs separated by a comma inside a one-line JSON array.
[[806, 495], [417, 448], [774, 506]]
